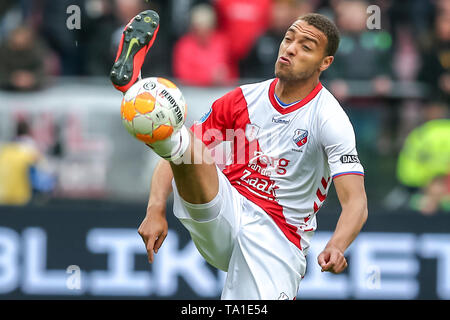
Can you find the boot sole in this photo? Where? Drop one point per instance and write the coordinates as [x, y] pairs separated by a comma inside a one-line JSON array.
[[138, 34]]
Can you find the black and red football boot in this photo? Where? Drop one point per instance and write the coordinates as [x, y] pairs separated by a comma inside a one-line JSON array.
[[137, 39]]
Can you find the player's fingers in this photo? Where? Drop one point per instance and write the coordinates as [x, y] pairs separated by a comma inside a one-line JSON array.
[[142, 232], [333, 262], [338, 260], [159, 241], [322, 259], [149, 246], [340, 266], [328, 266]]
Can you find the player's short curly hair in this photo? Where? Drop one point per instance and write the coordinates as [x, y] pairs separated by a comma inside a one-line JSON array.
[[328, 27]]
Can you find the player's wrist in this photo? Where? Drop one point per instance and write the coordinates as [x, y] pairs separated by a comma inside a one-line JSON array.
[[335, 246], [156, 207]]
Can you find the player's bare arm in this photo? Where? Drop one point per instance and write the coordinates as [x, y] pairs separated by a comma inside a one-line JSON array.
[[352, 196], [197, 182], [154, 228]]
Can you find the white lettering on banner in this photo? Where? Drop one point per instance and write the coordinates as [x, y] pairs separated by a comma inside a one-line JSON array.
[[438, 246], [73, 282], [393, 254], [36, 279], [381, 266], [188, 263], [373, 280], [9, 254], [120, 278]]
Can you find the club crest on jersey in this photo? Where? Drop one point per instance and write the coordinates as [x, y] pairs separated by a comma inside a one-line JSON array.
[[300, 137], [251, 131]]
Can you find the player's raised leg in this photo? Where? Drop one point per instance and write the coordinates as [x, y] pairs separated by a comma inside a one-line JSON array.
[[196, 178], [153, 111]]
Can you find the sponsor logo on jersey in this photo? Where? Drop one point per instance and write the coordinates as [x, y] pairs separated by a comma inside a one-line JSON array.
[[300, 137], [251, 131], [281, 121], [265, 164], [350, 159], [258, 185], [206, 116]]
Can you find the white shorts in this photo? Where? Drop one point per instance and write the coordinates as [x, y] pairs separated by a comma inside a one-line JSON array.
[[244, 241]]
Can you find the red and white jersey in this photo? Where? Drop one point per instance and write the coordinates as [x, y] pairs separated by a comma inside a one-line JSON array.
[[282, 158]]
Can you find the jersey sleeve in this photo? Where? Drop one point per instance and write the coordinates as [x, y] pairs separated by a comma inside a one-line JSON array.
[[212, 127], [339, 143]]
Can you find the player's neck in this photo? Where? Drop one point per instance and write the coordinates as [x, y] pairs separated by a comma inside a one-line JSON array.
[[291, 91]]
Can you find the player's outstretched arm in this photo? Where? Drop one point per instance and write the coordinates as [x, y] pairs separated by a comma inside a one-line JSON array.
[[352, 196], [154, 228]]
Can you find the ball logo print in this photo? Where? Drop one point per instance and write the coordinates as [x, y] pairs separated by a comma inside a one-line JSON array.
[[152, 109], [150, 85]]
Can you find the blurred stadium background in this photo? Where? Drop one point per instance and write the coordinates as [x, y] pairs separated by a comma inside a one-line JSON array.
[[74, 184]]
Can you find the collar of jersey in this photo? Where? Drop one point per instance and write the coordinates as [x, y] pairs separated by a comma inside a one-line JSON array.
[[284, 105], [296, 105]]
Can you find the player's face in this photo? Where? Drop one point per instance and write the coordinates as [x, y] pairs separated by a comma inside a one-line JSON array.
[[302, 53]]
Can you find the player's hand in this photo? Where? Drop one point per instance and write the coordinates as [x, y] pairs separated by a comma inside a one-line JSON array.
[[332, 259], [153, 229]]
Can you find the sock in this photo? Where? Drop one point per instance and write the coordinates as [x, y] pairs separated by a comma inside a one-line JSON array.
[[205, 211], [173, 147]]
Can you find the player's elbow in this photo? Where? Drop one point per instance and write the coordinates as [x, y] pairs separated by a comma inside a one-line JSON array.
[[365, 214], [364, 210], [359, 209]]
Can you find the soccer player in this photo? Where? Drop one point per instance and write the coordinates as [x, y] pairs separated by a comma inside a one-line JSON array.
[[289, 139]]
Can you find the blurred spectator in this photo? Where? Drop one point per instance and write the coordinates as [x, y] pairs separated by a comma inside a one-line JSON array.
[[243, 21], [201, 57], [436, 59], [66, 43], [8, 9], [5, 6], [417, 15], [98, 34], [22, 59], [361, 72], [16, 159], [363, 54], [443, 6], [261, 60], [424, 163]]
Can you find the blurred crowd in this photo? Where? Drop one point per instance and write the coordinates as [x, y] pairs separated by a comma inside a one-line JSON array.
[[392, 75], [219, 42]]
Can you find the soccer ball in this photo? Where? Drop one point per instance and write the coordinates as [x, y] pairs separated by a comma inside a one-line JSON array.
[[153, 109]]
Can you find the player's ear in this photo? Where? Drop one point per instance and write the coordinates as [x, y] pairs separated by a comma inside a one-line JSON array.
[[326, 63]]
